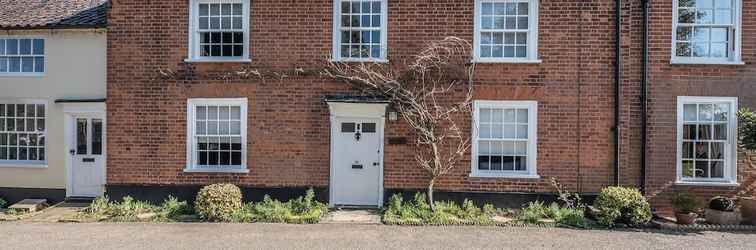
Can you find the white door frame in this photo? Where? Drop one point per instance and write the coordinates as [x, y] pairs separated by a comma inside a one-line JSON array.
[[347, 110], [87, 109]]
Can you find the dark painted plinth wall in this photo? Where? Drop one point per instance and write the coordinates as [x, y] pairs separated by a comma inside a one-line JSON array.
[[158, 193], [13, 195]]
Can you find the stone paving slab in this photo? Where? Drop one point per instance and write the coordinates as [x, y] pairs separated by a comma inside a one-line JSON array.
[[353, 216], [60, 212]]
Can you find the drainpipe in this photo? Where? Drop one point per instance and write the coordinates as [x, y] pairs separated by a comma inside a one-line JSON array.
[[617, 85], [644, 96]]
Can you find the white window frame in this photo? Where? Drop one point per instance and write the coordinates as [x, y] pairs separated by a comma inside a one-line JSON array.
[[194, 37], [734, 59], [28, 163], [44, 58], [731, 147], [191, 160], [532, 145], [532, 51], [336, 51]]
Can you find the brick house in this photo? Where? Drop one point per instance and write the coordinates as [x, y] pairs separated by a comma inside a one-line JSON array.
[[181, 115]]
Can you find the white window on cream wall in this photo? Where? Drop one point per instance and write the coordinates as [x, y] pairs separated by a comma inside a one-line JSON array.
[[23, 133], [706, 140], [217, 135], [360, 30], [20, 56], [219, 30], [706, 32], [504, 139], [506, 31]]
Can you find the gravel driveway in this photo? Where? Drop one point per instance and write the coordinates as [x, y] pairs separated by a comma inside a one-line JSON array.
[[25, 235]]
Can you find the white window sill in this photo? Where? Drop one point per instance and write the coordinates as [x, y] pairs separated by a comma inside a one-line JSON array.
[[352, 60], [503, 175], [218, 60], [23, 165], [707, 184], [704, 62], [214, 170], [22, 74], [507, 60]]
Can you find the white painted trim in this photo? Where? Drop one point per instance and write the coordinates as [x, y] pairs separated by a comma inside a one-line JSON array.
[[532, 56], [356, 110], [193, 49], [70, 111], [22, 165], [532, 171], [735, 59], [336, 35], [731, 149], [44, 56], [190, 110]]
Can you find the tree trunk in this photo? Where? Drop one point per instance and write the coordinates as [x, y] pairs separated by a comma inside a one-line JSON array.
[[430, 193]]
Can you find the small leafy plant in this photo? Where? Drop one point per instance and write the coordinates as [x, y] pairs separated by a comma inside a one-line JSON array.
[[301, 210], [418, 211], [3, 203], [536, 212], [130, 209], [622, 204], [685, 203]]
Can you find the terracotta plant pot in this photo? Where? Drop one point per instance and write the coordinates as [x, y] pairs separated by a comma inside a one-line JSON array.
[[748, 208], [717, 217], [686, 218]]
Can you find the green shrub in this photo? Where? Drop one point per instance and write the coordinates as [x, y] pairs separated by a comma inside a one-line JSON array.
[[418, 211], [535, 212], [747, 123], [685, 203], [3, 203], [217, 202], [172, 207], [300, 210], [622, 204]]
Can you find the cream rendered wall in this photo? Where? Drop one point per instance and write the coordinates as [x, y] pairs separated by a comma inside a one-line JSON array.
[[75, 65]]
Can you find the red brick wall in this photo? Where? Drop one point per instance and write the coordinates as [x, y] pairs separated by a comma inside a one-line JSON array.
[[668, 81], [288, 121]]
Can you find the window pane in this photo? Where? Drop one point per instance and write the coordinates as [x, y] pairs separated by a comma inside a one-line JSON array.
[[81, 136], [684, 33], [704, 132], [723, 17], [2, 47], [705, 112], [509, 131], [39, 64], [14, 64], [702, 169], [689, 112], [683, 49], [717, 169], [687, 150], [27, 64], [25, 46], [686, 3], [3, 64], [521, 163], [96, 136], [702, 150], [11, 47], [686, 16], [704, 16], [720, 132], [717, 150]]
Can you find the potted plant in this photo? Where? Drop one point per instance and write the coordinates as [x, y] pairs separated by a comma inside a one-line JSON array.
[[685, 206], [748, 207], [721, 211]]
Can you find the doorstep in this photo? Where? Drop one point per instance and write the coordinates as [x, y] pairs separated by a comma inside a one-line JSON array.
[[353, 216], [62, 212]]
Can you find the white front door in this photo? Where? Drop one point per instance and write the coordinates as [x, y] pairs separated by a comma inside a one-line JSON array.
[[357, 164], [87, 155]]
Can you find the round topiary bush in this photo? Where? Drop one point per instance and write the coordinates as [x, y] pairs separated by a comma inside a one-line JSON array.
[[622, 204], [218, 202]]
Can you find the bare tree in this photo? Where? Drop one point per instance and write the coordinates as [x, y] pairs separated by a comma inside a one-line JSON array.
[[432, 92]]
